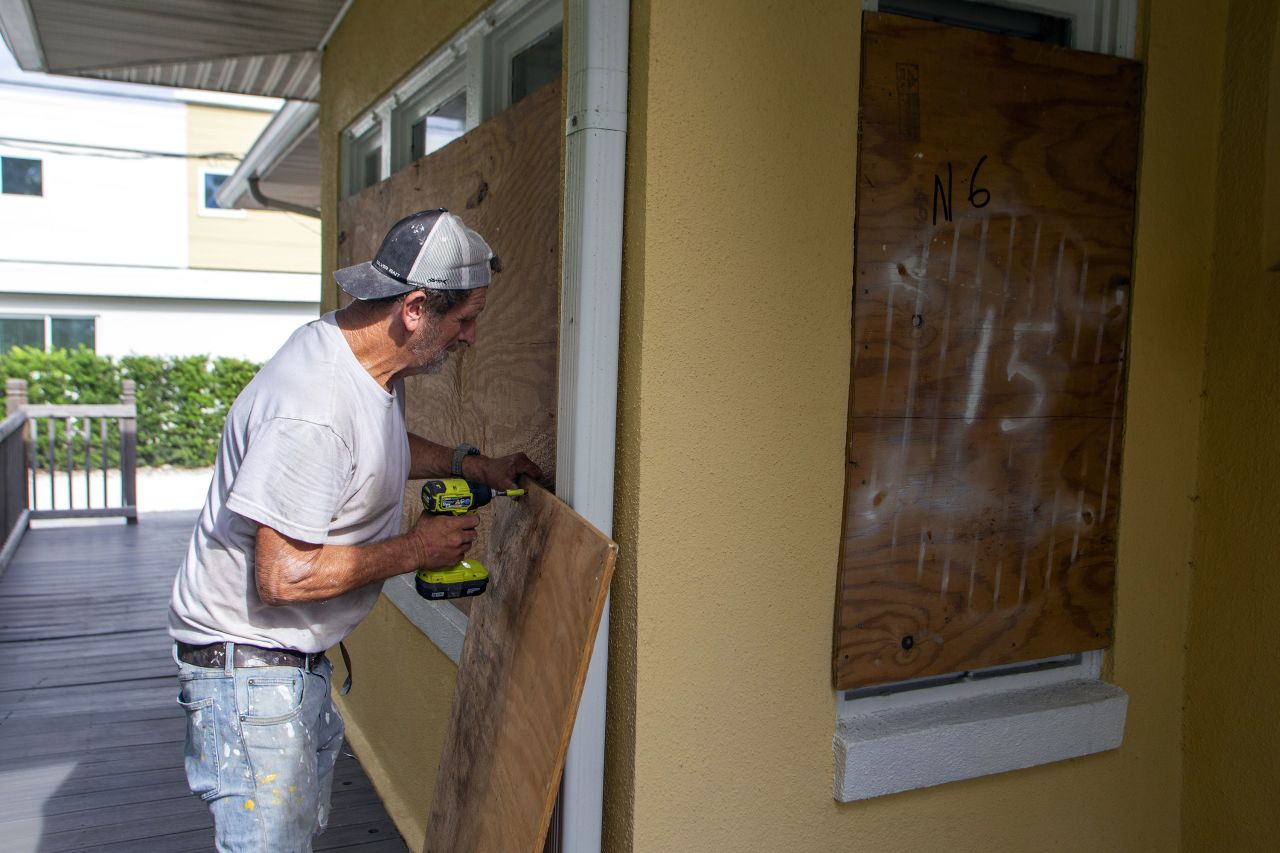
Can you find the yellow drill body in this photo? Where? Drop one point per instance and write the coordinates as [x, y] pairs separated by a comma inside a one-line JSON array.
[[456, 496]]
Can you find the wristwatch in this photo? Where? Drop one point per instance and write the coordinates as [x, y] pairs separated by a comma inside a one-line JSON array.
[[461, 452]]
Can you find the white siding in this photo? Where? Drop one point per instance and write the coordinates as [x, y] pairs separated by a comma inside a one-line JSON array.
[[119, 209]]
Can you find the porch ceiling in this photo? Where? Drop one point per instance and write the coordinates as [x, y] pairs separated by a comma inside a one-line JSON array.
[[267, 47]]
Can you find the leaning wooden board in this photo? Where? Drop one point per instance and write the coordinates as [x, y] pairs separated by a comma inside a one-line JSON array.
[[520, 677]]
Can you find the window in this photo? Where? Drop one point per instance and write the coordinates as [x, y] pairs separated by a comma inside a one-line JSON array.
[[439, 127], [536, 65], [363, 157], [507, 52], [21, 176], [21, 332], [210, 182], [71, 332], [45, 332]]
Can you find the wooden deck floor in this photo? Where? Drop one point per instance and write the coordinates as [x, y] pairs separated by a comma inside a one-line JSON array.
[[90, 735]]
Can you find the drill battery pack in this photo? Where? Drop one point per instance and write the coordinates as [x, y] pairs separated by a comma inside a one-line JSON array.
[[465, 579]]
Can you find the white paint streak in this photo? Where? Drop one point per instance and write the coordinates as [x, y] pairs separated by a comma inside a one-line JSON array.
[[1084, 275], [978, 371]]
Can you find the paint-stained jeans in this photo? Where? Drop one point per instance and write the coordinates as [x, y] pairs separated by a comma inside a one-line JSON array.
[[261, 746]]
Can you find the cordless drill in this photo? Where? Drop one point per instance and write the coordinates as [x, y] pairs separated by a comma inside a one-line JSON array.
[[456, 497]]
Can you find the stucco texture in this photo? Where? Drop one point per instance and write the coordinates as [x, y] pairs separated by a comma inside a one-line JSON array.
[[734, 388], [1233, 673], [732, 413]]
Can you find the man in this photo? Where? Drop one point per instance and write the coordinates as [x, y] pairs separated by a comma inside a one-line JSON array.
[[300, 529]]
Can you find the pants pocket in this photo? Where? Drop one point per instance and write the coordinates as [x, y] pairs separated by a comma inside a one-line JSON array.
[[270, 695], [201, 750]]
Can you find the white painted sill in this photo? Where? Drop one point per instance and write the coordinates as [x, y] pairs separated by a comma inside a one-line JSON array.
[[931, 736], [444, 624]]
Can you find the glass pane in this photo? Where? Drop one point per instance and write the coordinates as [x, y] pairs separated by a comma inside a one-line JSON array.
[[445, 124], [21, 332], [372, 167], [536, 65], [71, 332], [212, 181], [19, 176]]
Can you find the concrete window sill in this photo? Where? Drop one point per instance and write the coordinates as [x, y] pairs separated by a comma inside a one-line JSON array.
[[884, 750]]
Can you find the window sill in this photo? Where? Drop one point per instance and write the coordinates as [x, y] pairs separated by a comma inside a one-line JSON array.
[[887, 750], [444, 624]]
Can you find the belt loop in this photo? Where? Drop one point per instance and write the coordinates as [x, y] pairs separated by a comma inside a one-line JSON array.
[[229, 665]]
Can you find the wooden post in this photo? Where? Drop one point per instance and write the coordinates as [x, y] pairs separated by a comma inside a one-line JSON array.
[[15, 395], [129, 451]]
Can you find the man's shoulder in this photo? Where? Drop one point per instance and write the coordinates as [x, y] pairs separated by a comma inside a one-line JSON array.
[[298, 382]]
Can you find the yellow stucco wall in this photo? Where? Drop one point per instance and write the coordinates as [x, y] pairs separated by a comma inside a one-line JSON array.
[[737, 268], [735, 371], [245, 240], [397, 712], [1233, 674]]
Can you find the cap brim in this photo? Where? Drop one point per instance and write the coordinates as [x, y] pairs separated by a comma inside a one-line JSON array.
[[365, 281]]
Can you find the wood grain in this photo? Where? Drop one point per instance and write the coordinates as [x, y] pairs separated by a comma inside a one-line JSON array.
[[993, 250], [503, 179], [520, 676]]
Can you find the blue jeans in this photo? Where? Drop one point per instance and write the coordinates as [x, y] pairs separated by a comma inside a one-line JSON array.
[[261, 746]]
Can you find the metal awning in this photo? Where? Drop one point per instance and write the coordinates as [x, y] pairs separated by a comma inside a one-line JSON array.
[[266, 47], [282, 169]]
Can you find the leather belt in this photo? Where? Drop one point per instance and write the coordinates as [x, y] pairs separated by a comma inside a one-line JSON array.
[[214, 656]]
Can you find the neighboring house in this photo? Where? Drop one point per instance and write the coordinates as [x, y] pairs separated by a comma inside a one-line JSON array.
[[715, 147], [112, 237]]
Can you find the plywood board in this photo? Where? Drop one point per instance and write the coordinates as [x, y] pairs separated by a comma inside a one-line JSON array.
[[992, 274], [519, 678], [503, 179]]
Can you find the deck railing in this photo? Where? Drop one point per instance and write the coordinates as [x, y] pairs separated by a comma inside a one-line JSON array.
[[68, 455], [13, 485]]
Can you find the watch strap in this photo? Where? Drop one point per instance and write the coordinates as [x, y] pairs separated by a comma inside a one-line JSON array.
[[462, 451]]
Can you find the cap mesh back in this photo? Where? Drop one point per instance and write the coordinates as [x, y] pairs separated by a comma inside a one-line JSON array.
[[453, 257]]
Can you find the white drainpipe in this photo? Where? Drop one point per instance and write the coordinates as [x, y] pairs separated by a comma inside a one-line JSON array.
[[591, 293]]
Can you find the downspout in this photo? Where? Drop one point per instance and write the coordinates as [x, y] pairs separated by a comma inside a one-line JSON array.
[[590, 307], [277, 204]]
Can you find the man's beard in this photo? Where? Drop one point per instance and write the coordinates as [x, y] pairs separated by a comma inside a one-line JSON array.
[[421, 348]]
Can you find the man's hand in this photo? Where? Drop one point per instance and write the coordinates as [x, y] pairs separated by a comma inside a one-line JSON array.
[[442, 540], [500, 472]]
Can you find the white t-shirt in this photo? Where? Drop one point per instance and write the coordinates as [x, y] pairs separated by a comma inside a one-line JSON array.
[[316, 449]]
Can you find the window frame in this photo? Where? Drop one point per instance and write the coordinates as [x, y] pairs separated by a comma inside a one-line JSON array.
[[476, 61], [46, 325], [201, 207], [434, 93]]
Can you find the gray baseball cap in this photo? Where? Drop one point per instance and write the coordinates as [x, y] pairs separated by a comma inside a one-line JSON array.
[[432, 249]]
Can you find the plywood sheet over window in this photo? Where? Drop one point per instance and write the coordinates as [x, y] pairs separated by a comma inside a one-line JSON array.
[[503, 179], [991, 294]]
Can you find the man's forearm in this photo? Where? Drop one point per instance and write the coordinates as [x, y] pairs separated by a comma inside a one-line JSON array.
[[289, 571], [428, 459]]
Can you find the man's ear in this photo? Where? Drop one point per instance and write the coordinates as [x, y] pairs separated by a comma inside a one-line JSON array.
[[413, 309]]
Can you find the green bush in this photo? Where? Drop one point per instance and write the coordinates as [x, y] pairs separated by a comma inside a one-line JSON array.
[[182, 402]]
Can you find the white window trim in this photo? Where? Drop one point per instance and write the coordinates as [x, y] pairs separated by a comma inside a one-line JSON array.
[[450, 83], [1097, 26], [224, 213], [904, 739], [480, 53], [521, 31]]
